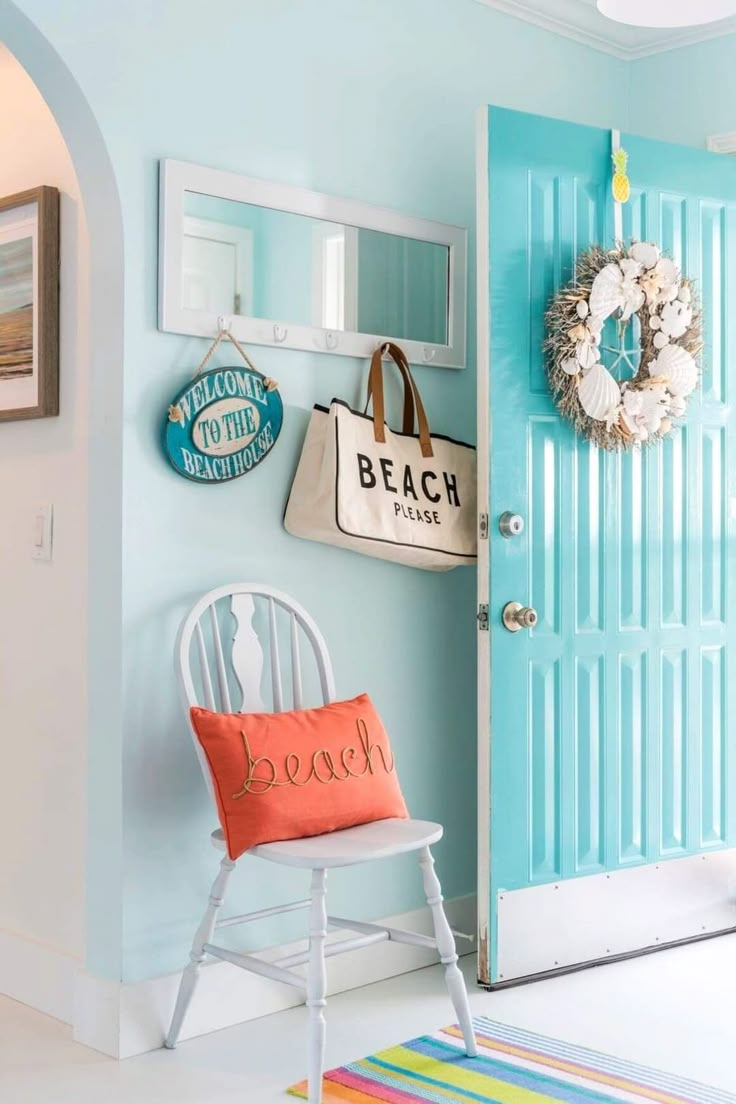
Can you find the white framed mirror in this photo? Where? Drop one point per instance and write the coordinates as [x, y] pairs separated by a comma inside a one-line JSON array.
[[280, 265]]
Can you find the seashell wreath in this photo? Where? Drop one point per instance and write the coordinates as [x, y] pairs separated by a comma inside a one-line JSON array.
[[620, 283]]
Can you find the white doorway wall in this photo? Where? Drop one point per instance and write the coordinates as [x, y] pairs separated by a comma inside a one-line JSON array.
[[43, 606]]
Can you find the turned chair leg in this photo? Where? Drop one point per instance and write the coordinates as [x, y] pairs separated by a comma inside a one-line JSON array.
[[196, 957], [317, 985], [448, 955]]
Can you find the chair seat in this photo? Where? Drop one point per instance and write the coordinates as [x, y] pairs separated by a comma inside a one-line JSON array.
[[364, 843]]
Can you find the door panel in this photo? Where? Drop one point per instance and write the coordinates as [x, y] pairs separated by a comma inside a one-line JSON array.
[[610, 735]]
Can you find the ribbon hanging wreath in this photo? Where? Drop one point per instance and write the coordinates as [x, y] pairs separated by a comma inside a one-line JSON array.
[[619, 284]]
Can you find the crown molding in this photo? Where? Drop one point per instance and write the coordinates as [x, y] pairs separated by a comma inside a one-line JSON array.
[[722, 143], [580, 20]]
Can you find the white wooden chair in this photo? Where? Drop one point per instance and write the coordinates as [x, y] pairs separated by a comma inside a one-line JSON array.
[[209, 660]]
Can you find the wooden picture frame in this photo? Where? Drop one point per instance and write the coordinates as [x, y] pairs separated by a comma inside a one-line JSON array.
[[29, 304]]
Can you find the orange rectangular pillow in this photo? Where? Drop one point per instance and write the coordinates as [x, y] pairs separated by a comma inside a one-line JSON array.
[[280, 776]]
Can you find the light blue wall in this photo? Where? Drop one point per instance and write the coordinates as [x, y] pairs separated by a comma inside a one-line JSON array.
[[402, 287], [685, 95], [371, 99], [286, 267]]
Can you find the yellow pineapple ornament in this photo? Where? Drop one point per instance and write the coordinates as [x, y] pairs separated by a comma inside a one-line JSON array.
[[621, 186]]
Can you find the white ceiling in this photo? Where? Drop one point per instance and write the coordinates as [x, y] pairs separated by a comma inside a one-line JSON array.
[[580, 19]]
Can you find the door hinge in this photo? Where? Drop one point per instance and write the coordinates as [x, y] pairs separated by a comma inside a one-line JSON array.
[[483, 617], [483, 527]]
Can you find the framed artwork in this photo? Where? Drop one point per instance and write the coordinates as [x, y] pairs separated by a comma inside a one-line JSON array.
[[29, 304]]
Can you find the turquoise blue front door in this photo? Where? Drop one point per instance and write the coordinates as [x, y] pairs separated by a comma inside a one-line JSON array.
[[612, 745]]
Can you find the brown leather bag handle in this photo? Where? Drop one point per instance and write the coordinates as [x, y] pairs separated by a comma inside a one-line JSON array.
[[375, 389], [408, 418]]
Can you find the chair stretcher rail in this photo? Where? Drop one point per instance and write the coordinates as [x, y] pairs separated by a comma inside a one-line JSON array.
[[256, 966], [262, 914], [332, 949], [396, 935]]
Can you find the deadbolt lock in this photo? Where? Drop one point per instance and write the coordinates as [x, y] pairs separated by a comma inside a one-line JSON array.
[[511, 525], [515, 616]]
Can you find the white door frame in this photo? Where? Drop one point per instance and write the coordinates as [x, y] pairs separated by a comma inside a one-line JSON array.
[[483, 569], [241, 237]]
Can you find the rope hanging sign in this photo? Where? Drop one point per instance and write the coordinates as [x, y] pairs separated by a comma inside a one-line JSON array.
[[224, 422]]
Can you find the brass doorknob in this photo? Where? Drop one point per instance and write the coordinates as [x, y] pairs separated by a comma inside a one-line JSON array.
[[515, 616]]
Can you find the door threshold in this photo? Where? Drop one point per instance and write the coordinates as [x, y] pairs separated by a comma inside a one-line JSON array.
[[576, 968]]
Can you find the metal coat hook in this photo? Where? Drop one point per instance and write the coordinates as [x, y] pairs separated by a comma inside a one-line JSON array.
[[331, 340], [224, 324], [428, 354], [279, 333]]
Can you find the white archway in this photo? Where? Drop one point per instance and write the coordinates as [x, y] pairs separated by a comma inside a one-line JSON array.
[[87, 148]]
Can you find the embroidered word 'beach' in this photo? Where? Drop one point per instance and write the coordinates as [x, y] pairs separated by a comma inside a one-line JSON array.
[[355, 763]]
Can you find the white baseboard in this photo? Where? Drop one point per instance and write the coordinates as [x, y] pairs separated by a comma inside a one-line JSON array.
[[124, 1020], [37, 975]]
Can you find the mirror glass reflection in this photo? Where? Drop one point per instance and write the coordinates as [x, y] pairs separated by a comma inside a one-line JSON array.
[[239, 258]]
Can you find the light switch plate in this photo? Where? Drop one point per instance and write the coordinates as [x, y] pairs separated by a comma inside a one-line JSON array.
[[42, 536]]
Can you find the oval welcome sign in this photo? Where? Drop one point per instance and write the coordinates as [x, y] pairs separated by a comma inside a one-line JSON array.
[[222, 424]]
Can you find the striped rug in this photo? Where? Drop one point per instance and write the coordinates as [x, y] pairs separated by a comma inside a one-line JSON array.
[[513, 1067]]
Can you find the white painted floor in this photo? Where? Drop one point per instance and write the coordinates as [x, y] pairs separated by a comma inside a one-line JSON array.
[[675, 1010]]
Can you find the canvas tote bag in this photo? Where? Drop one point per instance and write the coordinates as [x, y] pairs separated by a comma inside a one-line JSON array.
[[407, 497]]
